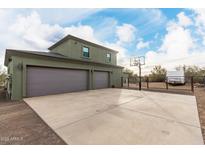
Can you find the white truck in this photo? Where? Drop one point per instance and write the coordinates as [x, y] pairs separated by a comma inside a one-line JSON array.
[[175, 77]]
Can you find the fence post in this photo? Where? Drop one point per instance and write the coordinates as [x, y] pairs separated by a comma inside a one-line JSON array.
[[128, 82], [192, 83], [122, 82], [147, 82], [204, 81], [167, 86], [136, 80], [140, 83]]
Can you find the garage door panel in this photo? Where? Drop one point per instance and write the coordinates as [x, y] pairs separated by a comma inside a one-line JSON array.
[[44, 81], [101, 79]]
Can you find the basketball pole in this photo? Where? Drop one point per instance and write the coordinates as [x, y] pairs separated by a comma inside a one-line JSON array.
[[140, 82], [139, 64]]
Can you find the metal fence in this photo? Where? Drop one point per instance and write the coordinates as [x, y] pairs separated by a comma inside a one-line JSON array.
[[176, 84]]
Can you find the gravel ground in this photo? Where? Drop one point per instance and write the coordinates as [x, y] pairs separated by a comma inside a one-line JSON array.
[[161, 87], [200, 97], [19, 124]]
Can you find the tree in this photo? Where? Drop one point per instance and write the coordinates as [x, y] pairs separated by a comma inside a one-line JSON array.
[[132, 77], [3, 75], [129, 72], [191, 70], [195, 71], [158, 74]]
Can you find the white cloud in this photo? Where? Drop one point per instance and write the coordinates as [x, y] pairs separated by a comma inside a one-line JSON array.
[[82, 31], [122, 57], [2, 12], [126, 33], [177, 41], [200, 23], [106, 28], [156, 15], [200, 17], [33, 30], [178, 47], [141, 44], [29, 32], [150, 20], [184, 20]]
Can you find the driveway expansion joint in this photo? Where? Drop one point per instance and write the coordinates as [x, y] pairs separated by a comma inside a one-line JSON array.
[[97, 113], [160, 117]]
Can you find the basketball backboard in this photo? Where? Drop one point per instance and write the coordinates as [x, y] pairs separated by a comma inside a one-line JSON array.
[[135, 61]]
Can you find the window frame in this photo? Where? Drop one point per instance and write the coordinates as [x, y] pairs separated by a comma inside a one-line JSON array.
[[108, 59], [85, 52]]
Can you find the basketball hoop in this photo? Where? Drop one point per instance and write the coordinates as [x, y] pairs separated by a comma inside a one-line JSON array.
[[142, 60], [134, 61]]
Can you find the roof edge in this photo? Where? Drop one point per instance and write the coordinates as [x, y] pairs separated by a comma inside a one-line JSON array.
[[80, 40], [10, 52]]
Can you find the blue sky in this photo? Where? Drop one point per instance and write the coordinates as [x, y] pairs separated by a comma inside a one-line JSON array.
[[163, 36]]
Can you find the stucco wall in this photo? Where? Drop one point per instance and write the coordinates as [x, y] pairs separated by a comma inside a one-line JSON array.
[[18, 66], [75, 51]]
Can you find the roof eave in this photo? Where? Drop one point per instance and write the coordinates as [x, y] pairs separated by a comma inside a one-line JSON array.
[[10, 52], [79, 39]]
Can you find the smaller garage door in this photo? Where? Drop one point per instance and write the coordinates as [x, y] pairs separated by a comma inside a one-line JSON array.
[[101, 79]]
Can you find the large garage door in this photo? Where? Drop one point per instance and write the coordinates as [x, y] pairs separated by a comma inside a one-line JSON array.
[[101, 80], [45, 81]]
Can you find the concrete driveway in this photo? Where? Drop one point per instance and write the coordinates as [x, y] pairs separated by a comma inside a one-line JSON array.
[[120, 116]]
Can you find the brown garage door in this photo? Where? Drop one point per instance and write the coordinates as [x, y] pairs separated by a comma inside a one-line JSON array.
[[101, 79], [45, 81]]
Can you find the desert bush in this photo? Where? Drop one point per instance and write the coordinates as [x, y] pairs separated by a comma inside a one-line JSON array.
[[195, 71], [158, 74]]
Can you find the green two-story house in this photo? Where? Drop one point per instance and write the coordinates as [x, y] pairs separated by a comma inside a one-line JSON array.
[[72, 64]]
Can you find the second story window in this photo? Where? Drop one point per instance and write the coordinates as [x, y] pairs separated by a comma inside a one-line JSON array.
[[108, 57], [86, 52]]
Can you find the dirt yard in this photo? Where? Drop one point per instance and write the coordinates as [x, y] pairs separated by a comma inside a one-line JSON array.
[[21, 125], [161, 87], [200, 97]]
